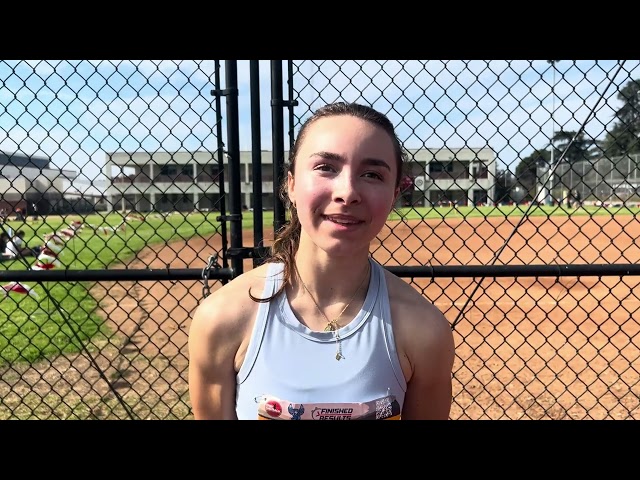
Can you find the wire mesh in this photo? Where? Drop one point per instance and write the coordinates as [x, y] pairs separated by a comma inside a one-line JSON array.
[[115, 166]]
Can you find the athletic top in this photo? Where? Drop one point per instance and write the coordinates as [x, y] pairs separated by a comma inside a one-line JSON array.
[[291, 373]]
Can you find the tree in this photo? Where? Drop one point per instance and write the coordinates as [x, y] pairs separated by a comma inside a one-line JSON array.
[[622, 139], [504, 183], [527, 171], [578, 151]]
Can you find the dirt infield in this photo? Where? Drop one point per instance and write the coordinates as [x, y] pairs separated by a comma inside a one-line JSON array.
[[525, 348]]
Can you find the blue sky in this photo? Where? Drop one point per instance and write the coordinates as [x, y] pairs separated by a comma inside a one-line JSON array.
[[75, 111]]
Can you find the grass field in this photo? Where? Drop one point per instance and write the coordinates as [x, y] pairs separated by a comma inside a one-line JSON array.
[[64, 316]]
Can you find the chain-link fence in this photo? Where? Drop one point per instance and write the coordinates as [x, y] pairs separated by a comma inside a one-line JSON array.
[[121, 181]]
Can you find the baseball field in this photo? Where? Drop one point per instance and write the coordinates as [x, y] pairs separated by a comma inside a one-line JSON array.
[[526, 348]]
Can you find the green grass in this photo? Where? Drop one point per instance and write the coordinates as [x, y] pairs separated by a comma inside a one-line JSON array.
[[64, 318], [64, 314]]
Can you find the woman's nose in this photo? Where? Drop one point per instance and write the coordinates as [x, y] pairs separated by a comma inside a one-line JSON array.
[[346, 189]]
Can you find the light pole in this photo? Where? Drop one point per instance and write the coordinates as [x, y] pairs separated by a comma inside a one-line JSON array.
[[553, 128]]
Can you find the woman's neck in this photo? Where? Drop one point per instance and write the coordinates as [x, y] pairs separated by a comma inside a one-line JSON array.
[[329, 279]]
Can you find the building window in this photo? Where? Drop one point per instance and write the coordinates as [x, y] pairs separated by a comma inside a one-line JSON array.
[[439, 167], [169, 170], [187, 170]]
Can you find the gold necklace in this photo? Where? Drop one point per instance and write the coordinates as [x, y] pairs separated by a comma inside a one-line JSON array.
[[332, 325]]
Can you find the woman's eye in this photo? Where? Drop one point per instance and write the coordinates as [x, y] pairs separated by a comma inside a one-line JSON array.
[[374, 175], [324, 167]]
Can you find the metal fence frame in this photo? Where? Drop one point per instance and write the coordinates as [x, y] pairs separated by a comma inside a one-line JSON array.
[[231, 263]]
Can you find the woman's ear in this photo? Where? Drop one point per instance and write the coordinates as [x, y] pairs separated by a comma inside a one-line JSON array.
[[395, 199], [291, 188]]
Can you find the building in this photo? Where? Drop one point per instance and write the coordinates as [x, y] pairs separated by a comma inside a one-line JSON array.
[[28, 180], [186, 181], [181, 181], [464, 176], [596, 180]]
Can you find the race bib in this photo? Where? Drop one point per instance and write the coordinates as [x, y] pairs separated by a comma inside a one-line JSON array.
[[273, 408]]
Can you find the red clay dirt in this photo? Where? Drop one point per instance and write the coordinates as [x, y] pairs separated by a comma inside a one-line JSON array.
[[536, 348], [525, 348]]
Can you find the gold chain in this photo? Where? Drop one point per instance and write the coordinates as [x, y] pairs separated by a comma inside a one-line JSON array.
[[332, 325]]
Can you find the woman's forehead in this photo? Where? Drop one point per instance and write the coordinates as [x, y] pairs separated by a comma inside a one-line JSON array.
[[347, 133]]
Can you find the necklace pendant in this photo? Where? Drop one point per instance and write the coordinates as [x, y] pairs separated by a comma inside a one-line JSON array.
[[329, 328]]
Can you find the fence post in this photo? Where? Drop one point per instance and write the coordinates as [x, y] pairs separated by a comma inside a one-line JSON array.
[[220, 160], [292, 103], [256, 156], [277, 120], [233, 151]]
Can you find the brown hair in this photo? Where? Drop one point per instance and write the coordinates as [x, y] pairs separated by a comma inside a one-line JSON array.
[[287, 239]]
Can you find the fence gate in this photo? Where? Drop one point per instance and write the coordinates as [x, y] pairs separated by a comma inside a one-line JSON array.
[[118, 172], [518, 218]]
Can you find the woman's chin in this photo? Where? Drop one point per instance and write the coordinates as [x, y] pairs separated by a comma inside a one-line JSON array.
[[347, 250]]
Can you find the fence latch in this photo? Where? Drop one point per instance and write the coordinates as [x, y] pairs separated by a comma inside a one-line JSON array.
[[249, 252], [206, 271], [231, 217], [222, 92]]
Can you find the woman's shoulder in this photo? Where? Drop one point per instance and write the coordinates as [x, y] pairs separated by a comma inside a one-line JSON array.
[[231, 304], [221, 325], [413, 312], [422, 332]]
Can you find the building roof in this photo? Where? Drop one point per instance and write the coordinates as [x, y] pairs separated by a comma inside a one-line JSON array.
[[21, 160]]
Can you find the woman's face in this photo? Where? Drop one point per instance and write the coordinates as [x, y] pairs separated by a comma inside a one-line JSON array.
[[344, 181]]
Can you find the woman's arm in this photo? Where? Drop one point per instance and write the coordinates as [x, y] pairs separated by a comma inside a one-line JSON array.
[[211, 372], [431, 354], [218, 338], [426, 348]]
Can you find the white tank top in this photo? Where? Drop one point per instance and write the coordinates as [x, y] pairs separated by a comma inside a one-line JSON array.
[[291, 372]]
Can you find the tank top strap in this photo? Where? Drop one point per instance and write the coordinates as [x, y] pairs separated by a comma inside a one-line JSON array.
[[273, 280], [387, 327]]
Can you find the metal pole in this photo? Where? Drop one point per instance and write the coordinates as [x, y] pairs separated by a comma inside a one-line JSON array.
[[553, 128], [233, 149], [256, 155], [595, 167], [220, 177], [277, 120], [582, 183], [291, 104], [225, 274]]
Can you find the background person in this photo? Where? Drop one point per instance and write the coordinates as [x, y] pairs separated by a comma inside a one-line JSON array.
[[16, 247]]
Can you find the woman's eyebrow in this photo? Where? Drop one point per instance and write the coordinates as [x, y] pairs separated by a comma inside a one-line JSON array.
[[329, 156], [374, 162]]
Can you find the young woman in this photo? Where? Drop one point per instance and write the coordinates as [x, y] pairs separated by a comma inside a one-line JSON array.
[[322, 331]]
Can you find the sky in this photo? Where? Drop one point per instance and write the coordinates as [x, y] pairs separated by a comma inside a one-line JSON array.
[[75, 111]]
